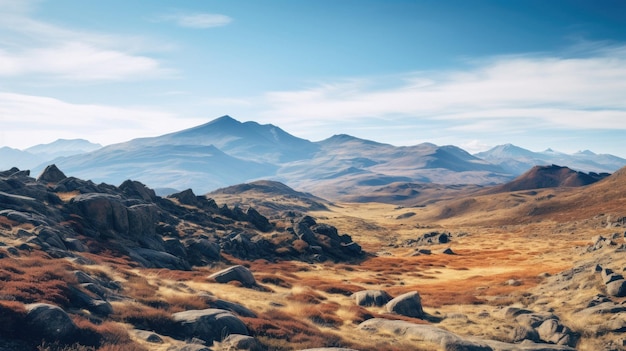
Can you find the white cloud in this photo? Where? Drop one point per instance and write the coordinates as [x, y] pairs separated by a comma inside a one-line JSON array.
[[43, 50], [586, 92], [198, 20], [28, 120]]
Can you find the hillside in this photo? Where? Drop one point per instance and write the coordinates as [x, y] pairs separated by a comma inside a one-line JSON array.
[[269, 198], [553, 176], [525, 203]]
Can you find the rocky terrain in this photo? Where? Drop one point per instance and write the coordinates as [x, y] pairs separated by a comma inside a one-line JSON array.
[[260, 266]]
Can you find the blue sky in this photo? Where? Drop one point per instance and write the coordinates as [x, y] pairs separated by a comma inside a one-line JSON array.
[[474, 74]]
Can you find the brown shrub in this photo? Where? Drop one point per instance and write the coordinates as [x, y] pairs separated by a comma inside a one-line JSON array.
[[274, 280], [36, 278], [300, 245], [331, 286], [280, 331], [322, 314], [144, 317], [180, 302]]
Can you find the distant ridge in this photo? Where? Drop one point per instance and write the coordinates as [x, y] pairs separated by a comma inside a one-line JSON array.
[[517, 160], [225, 152]]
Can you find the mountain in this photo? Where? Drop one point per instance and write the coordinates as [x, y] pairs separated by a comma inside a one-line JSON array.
[[516, 160], [10, 157], [63, 147], [347, 166], [248, 140], [225, 151], [167, 166]]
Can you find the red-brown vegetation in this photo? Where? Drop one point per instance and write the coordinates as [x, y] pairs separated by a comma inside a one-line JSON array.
[[281, 331], [36, 278]]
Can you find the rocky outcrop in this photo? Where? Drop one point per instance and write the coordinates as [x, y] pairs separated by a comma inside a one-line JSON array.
[[51, 174]]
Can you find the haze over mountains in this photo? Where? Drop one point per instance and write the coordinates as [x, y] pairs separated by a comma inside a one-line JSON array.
[[225, 152]]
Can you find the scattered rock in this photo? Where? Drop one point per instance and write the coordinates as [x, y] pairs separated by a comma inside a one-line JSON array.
[[371, 298], [148, 336], [241, 342], [238, 273], [208, 325], [616, 288], [409, 304]]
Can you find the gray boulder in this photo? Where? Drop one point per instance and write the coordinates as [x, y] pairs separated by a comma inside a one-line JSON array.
[[235, 273], [241, 342], [552, 331], [51, 174], [159, 259], [208, 325], [371, 297], [616, 288], [49, 322], [409, 304]]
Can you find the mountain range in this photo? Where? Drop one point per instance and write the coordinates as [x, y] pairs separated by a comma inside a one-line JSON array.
[[225, 152]]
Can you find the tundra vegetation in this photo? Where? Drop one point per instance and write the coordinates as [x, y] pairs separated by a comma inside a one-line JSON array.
[[87, 266]]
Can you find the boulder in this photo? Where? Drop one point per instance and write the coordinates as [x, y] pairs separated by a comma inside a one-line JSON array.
[[148, 336], [241, 342], [202, 251], [522, 332], [235, 273], [186, 197], [409, 304], [51, 174], [51, 323], [616, 288], [258, 220], [159, 259], [371, 297], [106, 213], [208, 325], [137, 190], [552, 331]]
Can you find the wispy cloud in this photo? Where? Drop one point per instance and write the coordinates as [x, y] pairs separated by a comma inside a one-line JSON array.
[[46, 119], [582, 92], [197, 20], [43, 50]]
